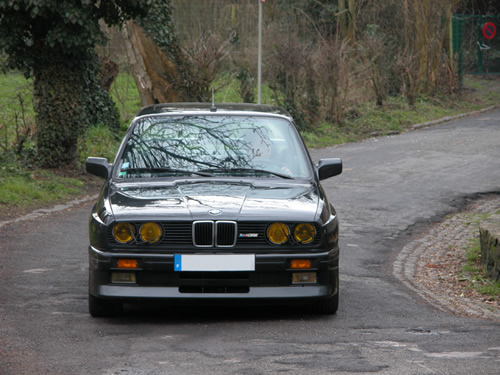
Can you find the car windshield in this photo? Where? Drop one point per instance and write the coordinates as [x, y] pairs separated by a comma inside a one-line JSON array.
[[213, 145]]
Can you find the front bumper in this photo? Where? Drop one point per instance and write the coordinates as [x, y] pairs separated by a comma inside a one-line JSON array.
[[156, 278]]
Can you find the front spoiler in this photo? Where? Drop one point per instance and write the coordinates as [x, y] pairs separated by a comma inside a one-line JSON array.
[[262, 293]]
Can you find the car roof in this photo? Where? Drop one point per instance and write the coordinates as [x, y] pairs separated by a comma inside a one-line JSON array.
[[226, 108]]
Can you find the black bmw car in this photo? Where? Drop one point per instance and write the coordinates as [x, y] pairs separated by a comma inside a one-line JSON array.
[[213, 203]]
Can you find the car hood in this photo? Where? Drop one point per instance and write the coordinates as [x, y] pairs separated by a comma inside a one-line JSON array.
[[214, 201]]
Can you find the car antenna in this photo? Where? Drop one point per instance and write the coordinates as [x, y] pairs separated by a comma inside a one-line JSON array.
[[213, 108]]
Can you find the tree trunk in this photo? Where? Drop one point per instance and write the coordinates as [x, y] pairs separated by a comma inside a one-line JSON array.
[[342, 18], [421, 17], [351, 33], [67, 99], [154, 73], [59, 114]]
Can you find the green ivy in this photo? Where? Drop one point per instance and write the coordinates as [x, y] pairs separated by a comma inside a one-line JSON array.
[[54, 42]]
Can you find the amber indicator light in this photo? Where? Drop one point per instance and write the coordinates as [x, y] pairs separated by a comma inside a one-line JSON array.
[[127, 263], [300, 264]]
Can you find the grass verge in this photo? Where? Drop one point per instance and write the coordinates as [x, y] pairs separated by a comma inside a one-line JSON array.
[[474, 274], [472, 270], [25, 188]]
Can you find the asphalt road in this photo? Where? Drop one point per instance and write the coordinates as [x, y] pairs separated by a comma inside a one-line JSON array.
[[392, 190]]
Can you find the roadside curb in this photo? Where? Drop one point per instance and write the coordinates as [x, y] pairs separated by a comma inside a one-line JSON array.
[[425, 265], [44, 211], [451, 118]]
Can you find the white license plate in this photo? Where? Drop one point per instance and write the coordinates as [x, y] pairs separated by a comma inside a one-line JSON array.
[[214, 262]]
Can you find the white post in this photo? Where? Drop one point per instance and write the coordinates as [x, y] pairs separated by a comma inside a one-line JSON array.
[[259, 59]]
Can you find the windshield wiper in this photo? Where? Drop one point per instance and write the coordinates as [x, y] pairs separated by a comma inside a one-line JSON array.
[[249, 170], [165, 169]]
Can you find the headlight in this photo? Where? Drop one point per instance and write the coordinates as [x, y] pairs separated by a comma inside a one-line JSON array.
[[124, 232], [304, 233], [278, 233], [151, 232]]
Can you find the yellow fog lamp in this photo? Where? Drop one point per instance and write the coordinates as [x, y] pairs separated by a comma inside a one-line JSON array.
[[151, 232], [124, 232], [278, 233], [304, 233]]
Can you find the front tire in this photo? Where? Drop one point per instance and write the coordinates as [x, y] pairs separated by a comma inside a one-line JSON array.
[[327, 306], [101, 308]]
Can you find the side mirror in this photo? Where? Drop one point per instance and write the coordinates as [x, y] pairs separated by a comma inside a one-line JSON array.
[[329, 167], [99, 167]]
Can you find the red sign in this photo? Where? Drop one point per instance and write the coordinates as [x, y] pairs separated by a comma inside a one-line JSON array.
[[489, 30]]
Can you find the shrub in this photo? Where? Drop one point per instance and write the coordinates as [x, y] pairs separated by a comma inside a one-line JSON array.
[[99, 141]]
